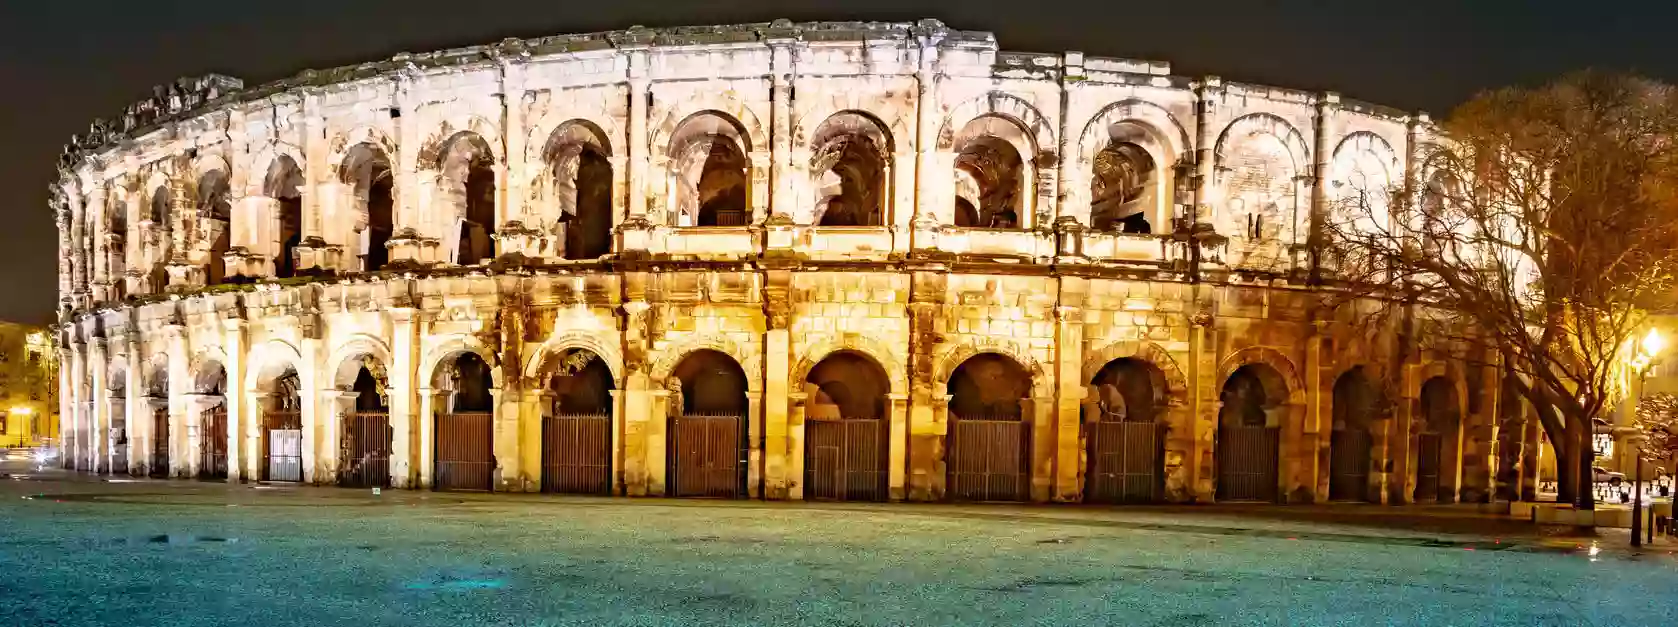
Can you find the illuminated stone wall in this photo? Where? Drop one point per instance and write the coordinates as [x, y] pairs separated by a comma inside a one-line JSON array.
[[773, 192]]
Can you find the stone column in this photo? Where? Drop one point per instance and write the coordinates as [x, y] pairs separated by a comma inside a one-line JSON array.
[[401, 386], [923, 223], [1204, 407], [1207, 124], [430, 403], [78, 451], [334, 407], [132, 405], [925, 422], [509, 463], [638, 148], [618, 488], [1069, 394], [256, 403], [509, 186], [754, 443], [796, 447], [1531, 449], [1044, 414], [634, 446], [100, 399], [777, 367], [534, 407], [1400, 449], [657, 443], [312, 413], [782, 61], [238, 410], [897, 449], [1314, 453], [180, 385]]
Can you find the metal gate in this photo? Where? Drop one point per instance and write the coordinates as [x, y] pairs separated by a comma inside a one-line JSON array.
[[577, 454], [366, 451], [283, 457], [1247, 458], [845, 460], [1348, 466], [988, 459], [708, 455], [119, 441], [212, 444], [1126, 462], [160, 442], [465, 452], [1427, 467]]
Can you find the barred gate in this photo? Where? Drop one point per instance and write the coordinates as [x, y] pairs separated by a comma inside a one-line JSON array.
[[212, 443], [160, 442], [1247, 458], [1126, 462], [1427, 467], [119, 441], [708, 455], [283, 455], [577, 454], [366, 451], [1348, 467], [988, 459], [845, 459], [465, 452]]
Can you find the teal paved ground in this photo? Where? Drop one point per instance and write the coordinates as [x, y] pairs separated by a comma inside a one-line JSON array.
[[83, 552]]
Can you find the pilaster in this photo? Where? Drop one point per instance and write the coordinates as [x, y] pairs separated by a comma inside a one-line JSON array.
[[404, 346]]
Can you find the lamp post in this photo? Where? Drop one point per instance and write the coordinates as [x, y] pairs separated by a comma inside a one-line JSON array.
[[1648, 351]]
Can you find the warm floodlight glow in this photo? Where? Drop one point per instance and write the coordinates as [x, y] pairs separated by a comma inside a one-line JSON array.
[[23, 411], [1653, 343]]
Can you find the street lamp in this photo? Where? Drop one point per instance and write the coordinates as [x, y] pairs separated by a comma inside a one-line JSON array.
[[1648, 352]]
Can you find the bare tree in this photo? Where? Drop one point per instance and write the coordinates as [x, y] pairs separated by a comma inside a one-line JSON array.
[[1657, 421], [1537, 236]]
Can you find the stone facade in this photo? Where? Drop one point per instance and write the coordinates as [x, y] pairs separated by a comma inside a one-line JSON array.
[[983, 232]]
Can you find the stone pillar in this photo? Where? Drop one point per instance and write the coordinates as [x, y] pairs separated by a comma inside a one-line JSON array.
[[100, 399], [640, 411], [400, 389], [334, 406], [925, 423], [430, 403], [796, 444], [1318, 426], [511, 475], [924, 223], [638, 148], [256, 403], [897, 449], [1207, 124], [1044, 414], [238, 409], [1531, 449], [1069, 394], [1204, 407], [132, 405], [782, 61], [78, 451], [180, 385], [1326, 129], [312, 413], [509, 187], [754, 444], [1400, 449], [777, 370]]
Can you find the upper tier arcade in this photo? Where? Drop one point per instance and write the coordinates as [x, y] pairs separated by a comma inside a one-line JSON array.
[[821, 142]]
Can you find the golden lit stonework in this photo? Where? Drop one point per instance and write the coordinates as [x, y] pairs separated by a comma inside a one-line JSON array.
[[843, 260]]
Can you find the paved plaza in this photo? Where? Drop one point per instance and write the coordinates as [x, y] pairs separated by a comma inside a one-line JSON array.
[[86, 551]]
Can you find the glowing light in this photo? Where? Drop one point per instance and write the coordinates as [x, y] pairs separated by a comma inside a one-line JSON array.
[[1653, 343], [23, 410]]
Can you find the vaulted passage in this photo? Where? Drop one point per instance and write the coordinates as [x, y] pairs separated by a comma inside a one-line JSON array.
[[1124, 431], [851, 160], [157, 405], [1249, 434], [845, 427], [367, 432], [213, 428], [367, 171], [1123, 189], [1437, 442], [216, 213], [992, 189], [709, 171], [1357, 404], [577, 430], [708, 449], [988, 454], [284, 183], [467, 184], [464, 432], [579, 186], [161, 227], [282, 428]]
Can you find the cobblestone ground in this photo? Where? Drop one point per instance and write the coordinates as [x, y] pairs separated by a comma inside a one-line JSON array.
[[84, 552]]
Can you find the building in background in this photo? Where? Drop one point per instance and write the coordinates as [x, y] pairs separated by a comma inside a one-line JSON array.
[[28, 386]]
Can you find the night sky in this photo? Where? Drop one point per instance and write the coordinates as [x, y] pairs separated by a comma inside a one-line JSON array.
[[64, 63]]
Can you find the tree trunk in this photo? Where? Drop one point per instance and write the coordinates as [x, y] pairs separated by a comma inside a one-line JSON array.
[[1560, 437], [1587, 459]]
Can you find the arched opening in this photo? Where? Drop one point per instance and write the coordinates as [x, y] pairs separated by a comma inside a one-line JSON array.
[[1258, 176], [991, 172], [709, 440], [1357, 405], [157, 401], [468, 186], [118, 403], [367, 432], [213, 437], [711, 172], [577, 431], [1249, 428], [281, 429], [989, 449], [284, 183], [1124, 189], [215, 205], [116, 252], [464, 434], [1124, 430], [577, 155], [966, 216], [367, 171], [851, 160], [157, 277], [845, 430], [1437, 442]]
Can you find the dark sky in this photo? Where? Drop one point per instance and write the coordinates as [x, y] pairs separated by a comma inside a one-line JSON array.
[[63, 63]]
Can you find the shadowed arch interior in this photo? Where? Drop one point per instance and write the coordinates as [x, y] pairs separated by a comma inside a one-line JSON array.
[[581, 383], [988, 385], [1248, 441], [216, 214], [366, 169], [467, 183], [1437, 441], [1123, 188], [850, 160], [711, 382], [1358, 403], [283, 183], [710, 171], [1130, 389], [1124, 431], [846, 385], [162, 223], [991, 172], [579, 177]]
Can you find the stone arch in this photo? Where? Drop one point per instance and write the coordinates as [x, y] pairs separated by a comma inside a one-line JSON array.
[[263, 161], [1287, 386], [432, 148], [1130, 149], [660, 138], [116, 374], [438, 356], [1002, 105], [808, 118], [1266, 123], [994, 162], [564, 113], [271, 359], [870, 348], [852, 163], [1176, 384], [206, 368], [155, 377], [1364, 165], [207, 162], [955, 355], [347, 359], [541, 360], [708, 170], [1166, 138], [571, 188], [343, 143], [670, 357]]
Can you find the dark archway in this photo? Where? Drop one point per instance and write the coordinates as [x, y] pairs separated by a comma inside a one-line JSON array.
[[1123, 189], [988, 453], [284, 183], [1436, 444], [577, 432], [366, 445], [711, 171], [1249, 428], [464, 434], [162, 224], [580, 175], [282, 428], [1124, 432], [1357, 405], [851, 160], [213, 437], [709, 447], [157, 401], [217, 211], [366, 169], [119, 422], [468, 181], [845, 429]]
